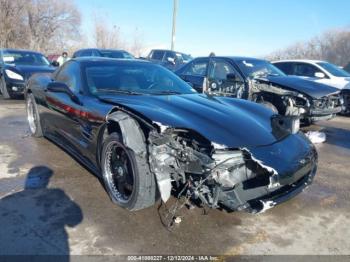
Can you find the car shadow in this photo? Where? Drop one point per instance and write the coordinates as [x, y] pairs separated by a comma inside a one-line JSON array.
[[337, 136], [33, 220]]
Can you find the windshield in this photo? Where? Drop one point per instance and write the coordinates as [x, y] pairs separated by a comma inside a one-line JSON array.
[[24, 58], [333, 69], [134, 79], [116, 54], [253, 68]]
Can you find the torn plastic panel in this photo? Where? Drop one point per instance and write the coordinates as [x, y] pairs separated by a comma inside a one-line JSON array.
[[133, 137]]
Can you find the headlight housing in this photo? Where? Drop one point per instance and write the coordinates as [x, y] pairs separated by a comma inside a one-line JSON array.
[[292, 123], [284, 125], [13, 75]]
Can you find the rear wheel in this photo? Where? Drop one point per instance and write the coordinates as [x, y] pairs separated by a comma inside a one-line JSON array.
[[33, 116], [126, 175]]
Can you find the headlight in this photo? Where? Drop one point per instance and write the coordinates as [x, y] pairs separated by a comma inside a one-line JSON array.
[[284, 125], [13, 75], [294, 124]]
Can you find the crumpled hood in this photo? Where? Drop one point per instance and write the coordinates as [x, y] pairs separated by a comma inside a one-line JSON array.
[[225, 121], [310, 88], [27, 70]]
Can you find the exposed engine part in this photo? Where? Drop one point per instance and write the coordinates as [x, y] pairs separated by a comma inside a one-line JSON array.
[[293, 103], [202, 170]]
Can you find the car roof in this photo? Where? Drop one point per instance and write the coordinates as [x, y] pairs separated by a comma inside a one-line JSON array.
[[100, 49], [309, 61], [97, 59], [168, 50], [234, 58], [20, 50]]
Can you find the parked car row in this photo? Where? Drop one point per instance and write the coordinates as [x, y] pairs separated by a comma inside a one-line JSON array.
[[148, 134], [220, 131], [260, 81]]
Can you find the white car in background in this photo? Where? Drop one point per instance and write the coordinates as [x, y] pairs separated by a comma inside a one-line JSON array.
[[318, 71]]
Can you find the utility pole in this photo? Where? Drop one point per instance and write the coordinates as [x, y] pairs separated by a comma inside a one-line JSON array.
[[174, 25]]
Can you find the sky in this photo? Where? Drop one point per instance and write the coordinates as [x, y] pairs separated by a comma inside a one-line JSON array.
[[226, 27]]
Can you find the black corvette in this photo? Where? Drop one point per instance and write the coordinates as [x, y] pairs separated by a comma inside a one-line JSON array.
[[259, 81], [147, 133], [16, 66]]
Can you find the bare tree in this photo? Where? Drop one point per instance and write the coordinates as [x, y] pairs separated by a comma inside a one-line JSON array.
[[106, 36], [137, 46], [332, 46], [12, 26], [110, 36], [43, 25], [51, 24]]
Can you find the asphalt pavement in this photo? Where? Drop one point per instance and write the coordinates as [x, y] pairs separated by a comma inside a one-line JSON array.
[[50, 204]]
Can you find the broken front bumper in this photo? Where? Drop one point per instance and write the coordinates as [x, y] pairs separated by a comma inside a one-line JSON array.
[[15, 87], [294, 161], [324, 114]]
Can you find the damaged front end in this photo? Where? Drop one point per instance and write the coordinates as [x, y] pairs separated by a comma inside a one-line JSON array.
[[292, 103], [250, 178], [326, 107]]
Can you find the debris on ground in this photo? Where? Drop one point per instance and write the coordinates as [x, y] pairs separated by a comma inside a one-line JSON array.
[[316, 137], [177, 220]]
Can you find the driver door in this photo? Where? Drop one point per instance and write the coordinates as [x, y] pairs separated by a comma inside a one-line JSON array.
[[223, 79], [66, 114]]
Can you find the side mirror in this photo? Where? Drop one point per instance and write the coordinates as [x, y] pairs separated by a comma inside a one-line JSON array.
[[231, 77], [171, 60], [320, 75], [55, 64], [59, 87]]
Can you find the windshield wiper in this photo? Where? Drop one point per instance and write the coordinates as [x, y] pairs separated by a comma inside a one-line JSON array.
[[127, 92]]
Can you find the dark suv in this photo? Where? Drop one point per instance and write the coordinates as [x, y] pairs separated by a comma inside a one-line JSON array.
[[168, 58], [260, 81]]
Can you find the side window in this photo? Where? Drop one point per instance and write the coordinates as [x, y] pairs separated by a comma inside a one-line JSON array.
[[303, 69], [170, 54], [286, 68], [197, 68], [220, 70], [86, 53], [70, 75], [157, 55]]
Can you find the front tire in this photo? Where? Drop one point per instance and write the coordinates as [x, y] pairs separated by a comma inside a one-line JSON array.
[[5, 93], [126, 175], [33, 116]]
